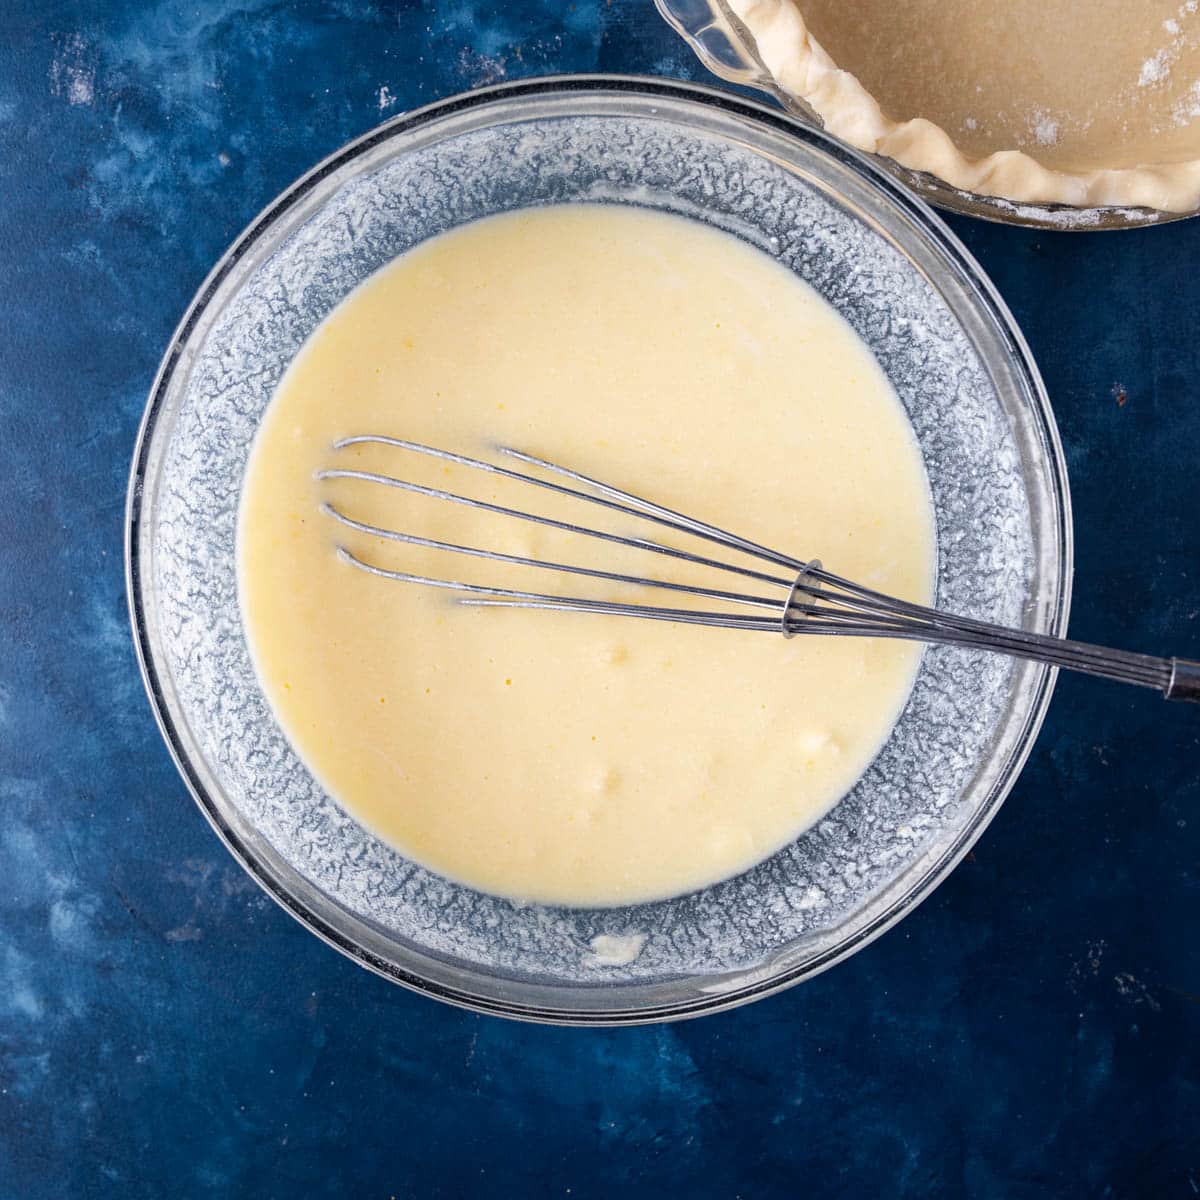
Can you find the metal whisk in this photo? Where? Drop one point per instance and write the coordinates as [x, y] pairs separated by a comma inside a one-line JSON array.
[[807, 600]]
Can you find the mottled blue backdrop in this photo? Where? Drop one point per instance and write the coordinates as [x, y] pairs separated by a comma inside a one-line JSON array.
[[165, 1030]]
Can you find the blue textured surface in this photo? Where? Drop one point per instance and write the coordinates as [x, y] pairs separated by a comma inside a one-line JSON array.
[[166, 1031]]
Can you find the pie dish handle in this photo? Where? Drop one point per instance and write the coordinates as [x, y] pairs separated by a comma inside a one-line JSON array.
[[715, 36]]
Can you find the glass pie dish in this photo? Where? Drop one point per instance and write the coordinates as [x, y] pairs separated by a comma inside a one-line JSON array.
[[960, 367], [727, 49]]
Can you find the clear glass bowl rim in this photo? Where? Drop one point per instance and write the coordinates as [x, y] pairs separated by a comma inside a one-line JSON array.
[[331, 925]]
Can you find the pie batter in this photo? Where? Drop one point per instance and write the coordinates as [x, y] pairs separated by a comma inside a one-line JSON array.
[[571, 758]]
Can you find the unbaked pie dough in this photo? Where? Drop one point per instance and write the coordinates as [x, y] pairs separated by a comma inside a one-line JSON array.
[[1037, 101]]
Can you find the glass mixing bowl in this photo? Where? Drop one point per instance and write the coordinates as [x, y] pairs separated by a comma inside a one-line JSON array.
[[727, 49], [959, 365]]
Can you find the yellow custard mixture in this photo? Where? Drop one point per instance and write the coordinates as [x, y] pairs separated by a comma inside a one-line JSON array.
[[563, 757]]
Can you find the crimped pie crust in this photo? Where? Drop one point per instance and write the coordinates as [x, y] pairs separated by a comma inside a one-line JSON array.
[[801, 67]]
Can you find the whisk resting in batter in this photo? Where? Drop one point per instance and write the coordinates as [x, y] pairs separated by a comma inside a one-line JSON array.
[[807, 599]]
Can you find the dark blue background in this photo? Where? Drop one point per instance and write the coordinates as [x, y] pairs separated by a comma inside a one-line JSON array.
[[165, 1030]]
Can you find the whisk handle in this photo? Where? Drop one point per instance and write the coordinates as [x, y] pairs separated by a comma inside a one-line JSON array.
[[1175, 678], [1185, 681]]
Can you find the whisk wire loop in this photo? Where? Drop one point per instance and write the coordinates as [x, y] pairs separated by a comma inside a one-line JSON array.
[[814, 601]]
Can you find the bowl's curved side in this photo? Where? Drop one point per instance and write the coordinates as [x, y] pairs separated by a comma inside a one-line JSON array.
[[437, 973]]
